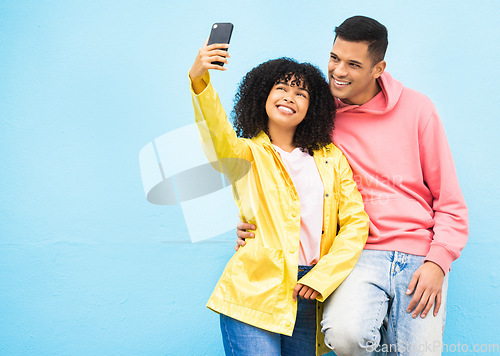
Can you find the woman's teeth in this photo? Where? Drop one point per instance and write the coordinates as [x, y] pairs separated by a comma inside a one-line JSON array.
[[284, 108]]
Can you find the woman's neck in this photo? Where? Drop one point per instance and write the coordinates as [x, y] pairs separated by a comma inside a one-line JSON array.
[[283, 138]]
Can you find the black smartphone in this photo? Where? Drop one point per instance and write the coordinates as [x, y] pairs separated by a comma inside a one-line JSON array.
[[221, 33]]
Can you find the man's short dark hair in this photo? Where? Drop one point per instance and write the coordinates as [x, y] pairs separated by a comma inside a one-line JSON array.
[[365, 29]]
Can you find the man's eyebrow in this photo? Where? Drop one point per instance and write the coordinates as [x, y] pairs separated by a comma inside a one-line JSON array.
[[351, 60]]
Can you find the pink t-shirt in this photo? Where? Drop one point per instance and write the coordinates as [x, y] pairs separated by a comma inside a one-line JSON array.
[[309, 187]]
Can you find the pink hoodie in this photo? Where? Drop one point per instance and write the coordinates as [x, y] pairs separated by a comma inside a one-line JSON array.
[[402, 163]]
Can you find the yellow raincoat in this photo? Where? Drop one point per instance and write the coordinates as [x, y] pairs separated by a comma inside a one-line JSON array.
[[257, 283]]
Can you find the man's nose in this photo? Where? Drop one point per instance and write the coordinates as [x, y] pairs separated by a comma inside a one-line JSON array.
[[340, 70]]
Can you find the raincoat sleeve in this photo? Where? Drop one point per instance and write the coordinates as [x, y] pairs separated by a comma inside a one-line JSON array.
[[335, 266], [218, 138]]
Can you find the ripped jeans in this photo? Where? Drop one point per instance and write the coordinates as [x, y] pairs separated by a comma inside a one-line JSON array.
[[367, 315]]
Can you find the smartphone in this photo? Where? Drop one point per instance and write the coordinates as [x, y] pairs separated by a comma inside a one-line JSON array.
[[221, 33]]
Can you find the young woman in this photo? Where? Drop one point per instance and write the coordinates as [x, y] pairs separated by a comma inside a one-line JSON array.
[[296, 186]]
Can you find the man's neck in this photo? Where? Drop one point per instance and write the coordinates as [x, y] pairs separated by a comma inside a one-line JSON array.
[[365, 98]]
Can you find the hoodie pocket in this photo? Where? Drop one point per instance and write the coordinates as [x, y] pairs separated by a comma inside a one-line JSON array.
[[256, 278], [393, 217]]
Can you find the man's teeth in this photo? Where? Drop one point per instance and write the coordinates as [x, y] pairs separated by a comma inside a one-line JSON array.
[[284, 108], [341, 83]]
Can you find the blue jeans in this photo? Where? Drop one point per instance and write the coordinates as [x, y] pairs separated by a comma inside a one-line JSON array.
[[243, 339], [353, 316]]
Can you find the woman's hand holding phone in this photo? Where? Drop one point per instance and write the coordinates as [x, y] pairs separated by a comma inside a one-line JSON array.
[[203, 62]]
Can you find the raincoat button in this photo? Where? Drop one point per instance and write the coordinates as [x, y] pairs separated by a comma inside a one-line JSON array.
[[288, 323], [327, 195], [294, 214], [292, 250]]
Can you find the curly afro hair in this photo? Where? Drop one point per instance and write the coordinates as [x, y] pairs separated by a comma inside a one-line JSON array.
[[249, 113]]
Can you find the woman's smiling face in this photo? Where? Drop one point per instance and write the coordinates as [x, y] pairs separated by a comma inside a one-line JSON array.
[[287, 104]]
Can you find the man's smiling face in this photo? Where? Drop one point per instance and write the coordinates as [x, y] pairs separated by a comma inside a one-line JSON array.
[[351, 72]]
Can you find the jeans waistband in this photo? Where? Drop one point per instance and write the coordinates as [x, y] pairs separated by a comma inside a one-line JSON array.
[[303, 270]]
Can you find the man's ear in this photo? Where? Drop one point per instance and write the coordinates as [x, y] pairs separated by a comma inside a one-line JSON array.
[[378, 69]]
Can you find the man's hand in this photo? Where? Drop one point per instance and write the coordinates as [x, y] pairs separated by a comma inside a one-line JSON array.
[[304, 292], [243, 233], [203, 62], [428, 280]]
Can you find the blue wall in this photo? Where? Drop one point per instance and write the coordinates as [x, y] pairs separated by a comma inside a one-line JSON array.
[[87, 264]]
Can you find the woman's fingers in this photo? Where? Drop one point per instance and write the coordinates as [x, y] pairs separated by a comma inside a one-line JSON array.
[[216, 46]]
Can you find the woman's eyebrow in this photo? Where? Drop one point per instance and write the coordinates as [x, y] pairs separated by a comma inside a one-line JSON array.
[[293, 84], [301, 88]]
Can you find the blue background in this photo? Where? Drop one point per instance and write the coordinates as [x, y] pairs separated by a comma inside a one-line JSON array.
[[87, 265]]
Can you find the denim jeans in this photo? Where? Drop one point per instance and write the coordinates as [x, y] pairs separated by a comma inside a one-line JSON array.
[[243, 339], [353, 316]]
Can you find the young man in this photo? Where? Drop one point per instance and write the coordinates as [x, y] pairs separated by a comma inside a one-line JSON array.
[[395, 142]]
